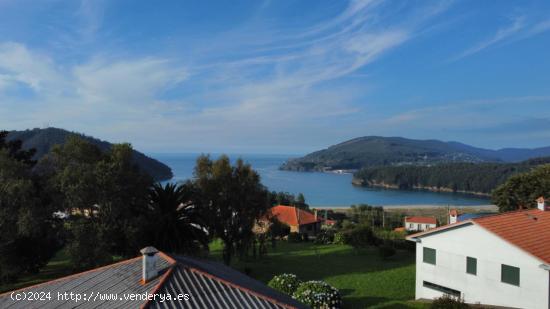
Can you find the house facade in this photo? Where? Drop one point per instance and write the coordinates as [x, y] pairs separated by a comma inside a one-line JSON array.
[[299, 220], [499, 260], [420, 223]]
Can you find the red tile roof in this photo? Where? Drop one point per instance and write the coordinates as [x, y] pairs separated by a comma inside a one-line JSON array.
[[426, 220], [528, 230], [293, 216]]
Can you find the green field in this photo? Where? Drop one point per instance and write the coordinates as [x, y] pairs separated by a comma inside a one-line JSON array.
[[363, 278]]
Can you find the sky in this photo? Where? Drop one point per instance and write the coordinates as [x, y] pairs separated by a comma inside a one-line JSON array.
[[277, 76]]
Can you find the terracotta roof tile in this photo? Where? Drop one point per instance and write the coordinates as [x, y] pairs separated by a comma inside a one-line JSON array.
[[293, 216], [526, 229], [425, 220]]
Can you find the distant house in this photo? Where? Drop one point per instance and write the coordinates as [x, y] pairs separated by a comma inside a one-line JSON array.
[[497, 260], [146, 282], [420, 223], [299, 220]]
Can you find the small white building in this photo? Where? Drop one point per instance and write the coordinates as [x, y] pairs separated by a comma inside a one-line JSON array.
[[499, 260], [420, 223]]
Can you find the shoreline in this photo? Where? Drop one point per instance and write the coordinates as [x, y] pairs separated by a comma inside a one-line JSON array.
[[486, 207]]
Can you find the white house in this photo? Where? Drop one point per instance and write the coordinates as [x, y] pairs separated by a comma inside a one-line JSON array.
[[499, 260], [420, 223]]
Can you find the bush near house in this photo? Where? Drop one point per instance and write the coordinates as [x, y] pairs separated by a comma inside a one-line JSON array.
[[448, 302], [318, 294], [325, 237], [294, 237], [339, 238], [285, 283]]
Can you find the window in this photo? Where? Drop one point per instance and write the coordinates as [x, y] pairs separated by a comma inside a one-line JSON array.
[[442, 289], [429, 255], [471, 265], [509, 274]]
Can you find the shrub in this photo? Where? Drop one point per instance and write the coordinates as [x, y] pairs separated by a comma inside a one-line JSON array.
[[325, 237], [305, 237], [448, 302], [361, 237], [285, 283], [340, 238], [386, 251], [294, 237], [318, 294]]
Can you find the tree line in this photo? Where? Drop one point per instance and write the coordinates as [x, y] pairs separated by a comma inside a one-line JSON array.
[[99, 204], [465, 177]]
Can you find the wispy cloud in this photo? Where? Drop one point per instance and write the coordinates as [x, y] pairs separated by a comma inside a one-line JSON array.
[[519, 28]]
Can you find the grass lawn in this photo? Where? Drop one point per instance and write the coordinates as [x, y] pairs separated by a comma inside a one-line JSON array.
[[363, 278]]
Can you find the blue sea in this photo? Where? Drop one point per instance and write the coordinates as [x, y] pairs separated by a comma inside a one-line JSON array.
[[321, 189]]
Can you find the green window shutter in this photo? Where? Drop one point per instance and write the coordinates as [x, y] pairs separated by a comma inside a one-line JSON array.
[[429, 255], [509, 274], [471, 265]]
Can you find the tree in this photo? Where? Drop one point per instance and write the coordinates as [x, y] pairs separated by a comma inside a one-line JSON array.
[[176, 224], [107, 189], [28, 231], [14, 149], [522, 190], [232, 198]]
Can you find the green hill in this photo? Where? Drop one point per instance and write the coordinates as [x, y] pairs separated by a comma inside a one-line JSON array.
[[371, 151], [477, 178], [43, 139]]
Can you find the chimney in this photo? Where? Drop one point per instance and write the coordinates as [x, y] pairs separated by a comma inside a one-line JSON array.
[[315, 212], [149, 270], [453, 216], [541, 203]]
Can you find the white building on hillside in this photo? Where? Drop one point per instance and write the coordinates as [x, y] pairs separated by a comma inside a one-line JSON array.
[[500, 260], [420, 223]]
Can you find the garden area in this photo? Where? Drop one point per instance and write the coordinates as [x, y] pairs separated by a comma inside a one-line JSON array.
[[363, 277]]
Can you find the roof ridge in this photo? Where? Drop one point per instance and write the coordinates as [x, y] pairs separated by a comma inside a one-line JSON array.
[[504, 213]]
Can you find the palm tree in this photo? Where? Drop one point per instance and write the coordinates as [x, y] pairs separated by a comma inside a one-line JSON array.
[[177, 225]]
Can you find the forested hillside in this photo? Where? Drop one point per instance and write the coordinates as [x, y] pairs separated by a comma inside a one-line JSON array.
[[43, 139], [371, 151], [480, 178]]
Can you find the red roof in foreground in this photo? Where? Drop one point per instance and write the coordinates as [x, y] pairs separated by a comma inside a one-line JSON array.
[[528, 230], [425, 220], [293, 216]]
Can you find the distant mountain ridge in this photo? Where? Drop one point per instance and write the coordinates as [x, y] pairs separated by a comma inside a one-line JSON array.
[[372, 151], [43, 139]]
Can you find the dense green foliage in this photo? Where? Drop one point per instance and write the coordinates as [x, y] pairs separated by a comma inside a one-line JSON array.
[[232, 198], [42, 141], [465, 177], [374, 151], [29, 234], [285, 283], [522, 190], [448, 302], [105, 192], [288, 199], [176, 213], [318, 295]]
